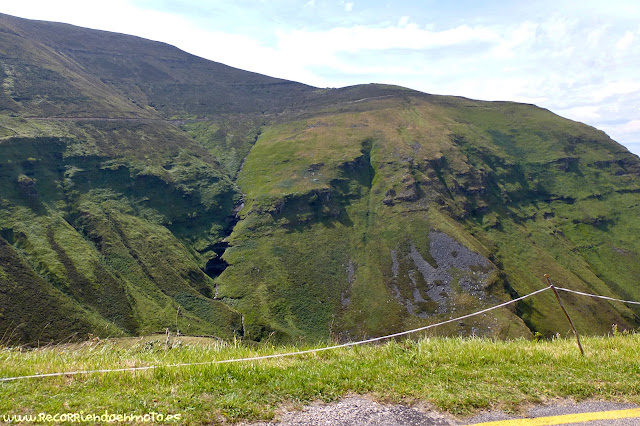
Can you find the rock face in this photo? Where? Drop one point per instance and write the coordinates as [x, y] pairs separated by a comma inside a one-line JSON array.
[[142, 188], [456, 269]]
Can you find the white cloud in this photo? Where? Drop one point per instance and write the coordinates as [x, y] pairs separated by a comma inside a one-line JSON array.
[[523, 34], [558, 27], [585, 114], [404, 21], [629, 127], [615, 88], [348, 7], [594, 37], [628, 131], [625, 41], [358, 38]]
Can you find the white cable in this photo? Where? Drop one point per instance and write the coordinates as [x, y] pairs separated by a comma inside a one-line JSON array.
[[344, 345], [595, 295]]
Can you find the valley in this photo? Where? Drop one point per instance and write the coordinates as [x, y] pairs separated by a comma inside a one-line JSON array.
[[143, 189]]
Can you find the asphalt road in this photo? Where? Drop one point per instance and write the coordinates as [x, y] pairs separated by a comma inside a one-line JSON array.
[[563, 413]]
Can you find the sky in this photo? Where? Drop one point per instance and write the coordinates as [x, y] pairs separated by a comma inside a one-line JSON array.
[[579, 59]]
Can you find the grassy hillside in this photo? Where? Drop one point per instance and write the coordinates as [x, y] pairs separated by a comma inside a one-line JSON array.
[[458, 376], [143, 188], [122, 237], [59, 69], [112, 208], [370, 219]]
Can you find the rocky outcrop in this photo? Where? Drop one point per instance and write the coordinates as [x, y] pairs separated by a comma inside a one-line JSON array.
[[455, 269]]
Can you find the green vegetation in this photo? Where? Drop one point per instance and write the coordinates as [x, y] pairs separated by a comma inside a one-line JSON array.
[[460, 376], [123, 239], [229, 139], [143, 188], [370, 188]]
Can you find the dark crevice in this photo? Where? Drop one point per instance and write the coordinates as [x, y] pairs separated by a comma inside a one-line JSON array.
[[216, 265]]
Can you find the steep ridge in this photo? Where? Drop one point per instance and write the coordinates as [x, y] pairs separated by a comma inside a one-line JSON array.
[[145, 189], [145, 77], [107, 201], [407, 209]]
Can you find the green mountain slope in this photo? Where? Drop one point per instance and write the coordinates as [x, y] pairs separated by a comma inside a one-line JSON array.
[[143, 188], [403, 210]]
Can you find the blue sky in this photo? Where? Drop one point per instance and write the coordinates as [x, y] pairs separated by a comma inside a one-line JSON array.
[[580, 59]]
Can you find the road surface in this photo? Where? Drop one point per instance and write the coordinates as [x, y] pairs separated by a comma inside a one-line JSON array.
[[361, 411]]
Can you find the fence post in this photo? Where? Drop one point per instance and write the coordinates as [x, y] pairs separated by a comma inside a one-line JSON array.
[[575, 332]]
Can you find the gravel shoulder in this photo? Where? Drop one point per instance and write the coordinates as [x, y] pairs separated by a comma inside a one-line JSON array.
[[363, 410], [360, 410]]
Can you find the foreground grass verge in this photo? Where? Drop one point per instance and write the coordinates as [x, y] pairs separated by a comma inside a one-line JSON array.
[[460, 376]]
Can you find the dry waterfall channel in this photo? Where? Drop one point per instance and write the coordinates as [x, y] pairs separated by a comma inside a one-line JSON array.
[[216, 265]]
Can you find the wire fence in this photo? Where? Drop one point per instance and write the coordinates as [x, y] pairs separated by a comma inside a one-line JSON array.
[[596, 296], [309, 351]]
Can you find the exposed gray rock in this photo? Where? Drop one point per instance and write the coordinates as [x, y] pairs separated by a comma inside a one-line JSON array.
[[395, 266], [448, 253], [455, 266], [351, 272], [345, 300], [438, 280]]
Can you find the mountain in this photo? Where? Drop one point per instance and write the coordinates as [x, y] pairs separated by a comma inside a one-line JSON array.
[[144, 189]]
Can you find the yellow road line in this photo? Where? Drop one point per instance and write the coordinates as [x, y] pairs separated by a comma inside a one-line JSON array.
[[567, 418]]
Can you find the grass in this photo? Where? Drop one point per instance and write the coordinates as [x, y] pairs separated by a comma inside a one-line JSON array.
[[456, 375]]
